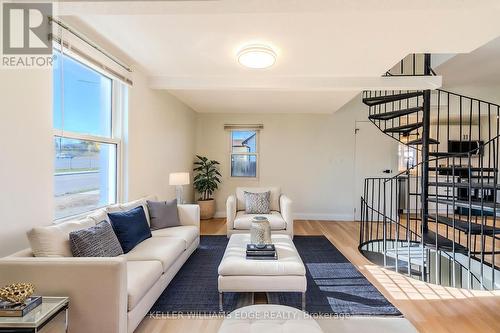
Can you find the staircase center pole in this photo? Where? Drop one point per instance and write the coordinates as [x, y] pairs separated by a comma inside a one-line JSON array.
[[425, 147]]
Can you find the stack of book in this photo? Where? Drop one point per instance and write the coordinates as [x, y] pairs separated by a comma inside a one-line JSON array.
[[19, 310], [261, 252]]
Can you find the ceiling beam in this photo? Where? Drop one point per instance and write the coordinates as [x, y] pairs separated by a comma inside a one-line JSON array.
[[200, 7], [296, 83]]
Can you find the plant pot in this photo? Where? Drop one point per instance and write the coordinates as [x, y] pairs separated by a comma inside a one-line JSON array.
[[207, 209]]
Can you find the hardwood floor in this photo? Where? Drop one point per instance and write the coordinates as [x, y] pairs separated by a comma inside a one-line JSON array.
[[430, 308]]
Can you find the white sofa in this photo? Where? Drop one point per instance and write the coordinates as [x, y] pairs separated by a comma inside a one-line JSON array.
[[110, 295], [280, 217]]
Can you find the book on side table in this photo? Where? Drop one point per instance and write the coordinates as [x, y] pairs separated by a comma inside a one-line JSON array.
[[19, 310], [261, 252]]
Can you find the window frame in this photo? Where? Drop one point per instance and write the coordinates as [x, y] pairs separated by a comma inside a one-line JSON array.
[[118, 96], [402, 148], [256, 154]]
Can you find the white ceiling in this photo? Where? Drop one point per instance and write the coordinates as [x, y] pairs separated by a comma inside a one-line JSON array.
[[189, 47]]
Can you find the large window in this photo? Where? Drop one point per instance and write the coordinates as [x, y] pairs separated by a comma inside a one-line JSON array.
[[85, 145], [244, 149]]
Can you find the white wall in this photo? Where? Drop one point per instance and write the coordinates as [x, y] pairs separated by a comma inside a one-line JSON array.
[[489, 93], [310, 156], [26, 154], [160, 140]]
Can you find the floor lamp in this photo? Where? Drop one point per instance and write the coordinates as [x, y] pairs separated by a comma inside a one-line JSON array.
[[179, 179]]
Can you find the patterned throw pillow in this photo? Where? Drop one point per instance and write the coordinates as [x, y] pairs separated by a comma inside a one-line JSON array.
[[97, 241], [257, 203]]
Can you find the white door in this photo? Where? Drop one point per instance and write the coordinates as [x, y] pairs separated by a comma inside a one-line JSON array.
[[376, 155]]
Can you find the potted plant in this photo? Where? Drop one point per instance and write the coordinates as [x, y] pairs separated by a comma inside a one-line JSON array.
[[206, 180]]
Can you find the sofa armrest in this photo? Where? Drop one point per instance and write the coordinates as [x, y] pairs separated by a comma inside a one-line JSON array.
[[189, 214], [287, 213], [230, 212], [96, 287]]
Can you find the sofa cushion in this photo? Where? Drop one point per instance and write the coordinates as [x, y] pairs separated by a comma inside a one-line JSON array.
[[136, 203], [130, 227], [163, 214], [274, 199], [53, 240], [141, 277], [96, 241], [188, 233], [163, 249], [102, 214], [99, 215], [243, 221]]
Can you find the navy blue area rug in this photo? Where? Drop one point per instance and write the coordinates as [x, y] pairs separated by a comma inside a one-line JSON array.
[[334, 285]]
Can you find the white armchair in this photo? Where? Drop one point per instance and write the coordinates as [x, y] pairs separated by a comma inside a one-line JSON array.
[[280, 216]]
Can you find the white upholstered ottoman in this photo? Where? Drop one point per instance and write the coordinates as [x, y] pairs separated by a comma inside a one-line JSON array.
[[238, 274], [269, 318]]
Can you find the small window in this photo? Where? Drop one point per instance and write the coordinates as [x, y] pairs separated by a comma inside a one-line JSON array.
[[244, 153]]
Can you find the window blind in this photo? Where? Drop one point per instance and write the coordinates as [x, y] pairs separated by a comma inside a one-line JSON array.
[[255, 127]]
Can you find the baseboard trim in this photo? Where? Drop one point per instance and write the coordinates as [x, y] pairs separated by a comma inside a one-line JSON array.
[[220, 215], [323, 217], [309, 216]]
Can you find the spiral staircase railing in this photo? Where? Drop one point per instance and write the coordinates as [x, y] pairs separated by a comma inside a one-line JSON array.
[[437, 219]]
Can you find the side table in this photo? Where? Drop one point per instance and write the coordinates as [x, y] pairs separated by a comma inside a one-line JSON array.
[[34, 321]]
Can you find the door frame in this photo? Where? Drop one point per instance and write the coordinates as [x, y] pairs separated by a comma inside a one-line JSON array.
[[356, 199]]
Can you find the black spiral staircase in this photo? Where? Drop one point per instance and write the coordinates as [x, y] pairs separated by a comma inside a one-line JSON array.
[[437, 219]]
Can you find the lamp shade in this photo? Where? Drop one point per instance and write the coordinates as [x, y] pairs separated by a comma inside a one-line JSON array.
[[179, 178]]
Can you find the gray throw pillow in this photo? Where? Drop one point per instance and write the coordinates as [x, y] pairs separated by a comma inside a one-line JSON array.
[[257, 203], [97, 241], [163, 214]]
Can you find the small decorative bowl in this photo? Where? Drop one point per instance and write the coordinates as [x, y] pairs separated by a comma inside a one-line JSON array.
[[17, 293]]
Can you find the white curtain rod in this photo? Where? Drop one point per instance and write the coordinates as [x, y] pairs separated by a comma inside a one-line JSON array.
[[89, 42]]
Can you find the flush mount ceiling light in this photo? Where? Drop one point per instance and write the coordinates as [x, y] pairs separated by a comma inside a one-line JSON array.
[[257, 56]]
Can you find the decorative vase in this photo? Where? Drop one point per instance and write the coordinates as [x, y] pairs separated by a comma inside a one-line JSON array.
[[260, 231], [207, 209]]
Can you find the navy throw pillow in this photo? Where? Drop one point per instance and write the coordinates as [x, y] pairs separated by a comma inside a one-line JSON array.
[[131, 227]]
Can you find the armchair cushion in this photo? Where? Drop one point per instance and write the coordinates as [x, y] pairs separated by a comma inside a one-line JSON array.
[[274, 199], [243, 221], [257, 203]]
